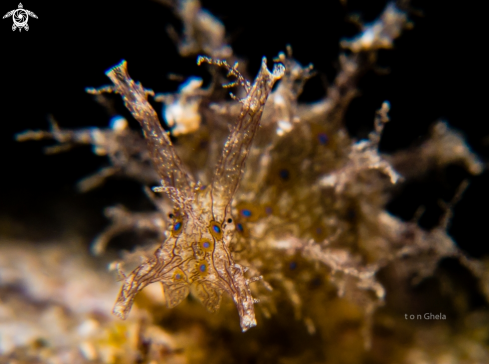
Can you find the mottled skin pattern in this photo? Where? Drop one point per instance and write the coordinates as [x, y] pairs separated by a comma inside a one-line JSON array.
[[197, 248]]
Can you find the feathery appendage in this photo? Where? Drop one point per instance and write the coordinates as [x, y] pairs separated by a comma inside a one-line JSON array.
[[197, 249], [230, 167], [165, 160]]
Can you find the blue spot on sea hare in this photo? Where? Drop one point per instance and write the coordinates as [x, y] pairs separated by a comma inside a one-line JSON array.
[[323, 138], [284, 174], [246, 213]]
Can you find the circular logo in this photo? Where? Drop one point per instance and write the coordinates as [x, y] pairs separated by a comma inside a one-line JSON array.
[[20, 17]]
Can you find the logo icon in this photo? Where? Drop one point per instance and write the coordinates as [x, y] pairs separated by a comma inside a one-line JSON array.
[[20, 17]]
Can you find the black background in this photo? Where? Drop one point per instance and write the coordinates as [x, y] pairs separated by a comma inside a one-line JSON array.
[[438, 70]]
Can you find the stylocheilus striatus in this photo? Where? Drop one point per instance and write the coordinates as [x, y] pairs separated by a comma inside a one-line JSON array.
[[196, 250]]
